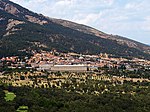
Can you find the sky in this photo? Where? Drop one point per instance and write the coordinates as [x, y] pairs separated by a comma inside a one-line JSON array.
[[128, 18]]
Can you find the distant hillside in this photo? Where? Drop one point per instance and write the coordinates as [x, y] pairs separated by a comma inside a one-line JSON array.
[[22, 31]]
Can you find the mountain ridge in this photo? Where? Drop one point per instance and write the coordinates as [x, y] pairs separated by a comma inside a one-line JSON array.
[[48, 33], [94, 31]]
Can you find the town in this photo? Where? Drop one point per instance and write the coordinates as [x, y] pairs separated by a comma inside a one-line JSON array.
[[53, 69]]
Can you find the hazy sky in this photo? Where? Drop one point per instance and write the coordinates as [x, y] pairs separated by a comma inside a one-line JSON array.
[[129, 18]]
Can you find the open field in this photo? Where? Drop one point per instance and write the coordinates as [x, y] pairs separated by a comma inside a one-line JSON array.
[[9, 96], [22, 109]]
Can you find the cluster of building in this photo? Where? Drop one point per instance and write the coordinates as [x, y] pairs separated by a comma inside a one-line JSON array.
[[54, 61], [53, 69]]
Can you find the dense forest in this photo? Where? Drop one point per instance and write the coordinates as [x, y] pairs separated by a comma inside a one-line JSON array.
[[61, 100]]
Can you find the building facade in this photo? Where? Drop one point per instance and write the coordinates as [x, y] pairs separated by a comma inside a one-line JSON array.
[[75, 68]]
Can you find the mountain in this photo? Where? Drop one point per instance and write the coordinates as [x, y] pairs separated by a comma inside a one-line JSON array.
[[23, 31]]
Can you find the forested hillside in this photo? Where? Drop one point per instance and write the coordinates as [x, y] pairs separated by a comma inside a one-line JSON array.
[[23, 31]]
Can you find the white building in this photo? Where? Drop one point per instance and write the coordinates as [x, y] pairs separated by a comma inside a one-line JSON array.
[[45, 67]]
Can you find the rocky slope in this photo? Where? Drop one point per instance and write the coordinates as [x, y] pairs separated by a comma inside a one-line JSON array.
[[22, 31]]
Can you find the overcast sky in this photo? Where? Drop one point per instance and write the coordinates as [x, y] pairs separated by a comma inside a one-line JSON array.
[[129, 18]]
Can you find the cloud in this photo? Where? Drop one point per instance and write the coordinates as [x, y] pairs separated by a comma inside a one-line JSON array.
[[122, 17]]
